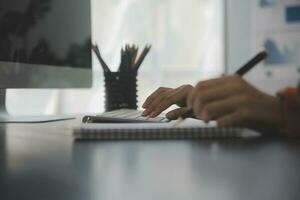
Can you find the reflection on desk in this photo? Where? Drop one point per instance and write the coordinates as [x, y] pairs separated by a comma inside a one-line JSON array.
[[44, 162]]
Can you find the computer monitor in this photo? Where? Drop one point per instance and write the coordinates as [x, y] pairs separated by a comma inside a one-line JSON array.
[[45, 44]]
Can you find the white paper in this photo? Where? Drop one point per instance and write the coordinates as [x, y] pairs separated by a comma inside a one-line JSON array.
[[188, 123]]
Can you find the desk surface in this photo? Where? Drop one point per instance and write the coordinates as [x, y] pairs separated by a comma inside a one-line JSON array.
[[43, 162]]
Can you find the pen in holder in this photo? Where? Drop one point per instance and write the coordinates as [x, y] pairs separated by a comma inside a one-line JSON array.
[[121, 86]]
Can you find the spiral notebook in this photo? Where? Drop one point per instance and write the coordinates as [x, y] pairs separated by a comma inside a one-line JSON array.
[[189, 129]]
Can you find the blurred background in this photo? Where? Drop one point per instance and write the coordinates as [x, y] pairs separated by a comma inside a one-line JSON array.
[[187, 45], [192, 40]]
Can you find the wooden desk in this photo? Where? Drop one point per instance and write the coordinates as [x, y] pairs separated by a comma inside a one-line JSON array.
[[41, 161]]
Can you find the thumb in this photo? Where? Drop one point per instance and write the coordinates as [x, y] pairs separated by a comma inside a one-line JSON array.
[[175, 114]]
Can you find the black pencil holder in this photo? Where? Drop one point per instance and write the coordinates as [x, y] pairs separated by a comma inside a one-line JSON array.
[[120, 90]]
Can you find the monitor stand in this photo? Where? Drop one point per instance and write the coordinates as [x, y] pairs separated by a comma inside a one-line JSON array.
[[5, 117]]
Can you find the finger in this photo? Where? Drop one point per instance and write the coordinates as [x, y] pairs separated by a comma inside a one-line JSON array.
[[153, 96], [175, 114], [153, 105], [195, 92], [214, 94], [182, 94], [191, 98], [160, 106], [218, 81], [173, 98], [237, 118], [220, 108], [226, 81]]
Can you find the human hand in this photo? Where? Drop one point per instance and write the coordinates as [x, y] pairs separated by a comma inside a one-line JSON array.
[[163, 98], [233, 102]]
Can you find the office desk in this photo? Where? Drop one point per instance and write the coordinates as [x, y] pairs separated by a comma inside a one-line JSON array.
[[43, 162]]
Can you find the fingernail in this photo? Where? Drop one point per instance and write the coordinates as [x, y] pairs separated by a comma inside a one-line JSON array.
[[144, 105], [145, 113]]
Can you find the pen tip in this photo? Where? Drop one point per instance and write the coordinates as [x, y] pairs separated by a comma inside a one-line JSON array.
[[264, 53]]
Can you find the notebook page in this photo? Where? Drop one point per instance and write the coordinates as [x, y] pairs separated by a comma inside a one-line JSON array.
[[188, 123]]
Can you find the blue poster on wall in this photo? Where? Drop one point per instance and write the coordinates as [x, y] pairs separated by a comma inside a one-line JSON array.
[[280, 56], [292, 14], [277, 29], [267, 3]]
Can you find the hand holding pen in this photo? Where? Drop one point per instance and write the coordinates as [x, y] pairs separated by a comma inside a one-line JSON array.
[[232, 101], [238, 74], [163, 98]]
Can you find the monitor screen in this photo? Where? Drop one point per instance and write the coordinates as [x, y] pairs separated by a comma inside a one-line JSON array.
[[45, 44]]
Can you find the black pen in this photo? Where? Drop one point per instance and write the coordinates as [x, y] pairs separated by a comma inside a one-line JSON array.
[[241, 71]]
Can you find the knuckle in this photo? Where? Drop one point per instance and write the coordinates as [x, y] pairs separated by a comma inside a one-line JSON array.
[[150, 99], [242, 83], [237, 78], [151, 107], [161, 89], [187, 86], [200, 85]]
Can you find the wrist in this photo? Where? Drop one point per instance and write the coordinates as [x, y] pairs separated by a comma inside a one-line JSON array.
[[290, 112], [275, 115]]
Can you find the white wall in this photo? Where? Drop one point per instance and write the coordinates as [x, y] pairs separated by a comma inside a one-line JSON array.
[[238, 28]]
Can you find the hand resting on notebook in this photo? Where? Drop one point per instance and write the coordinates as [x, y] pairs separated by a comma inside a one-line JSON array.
[[163, 98]]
